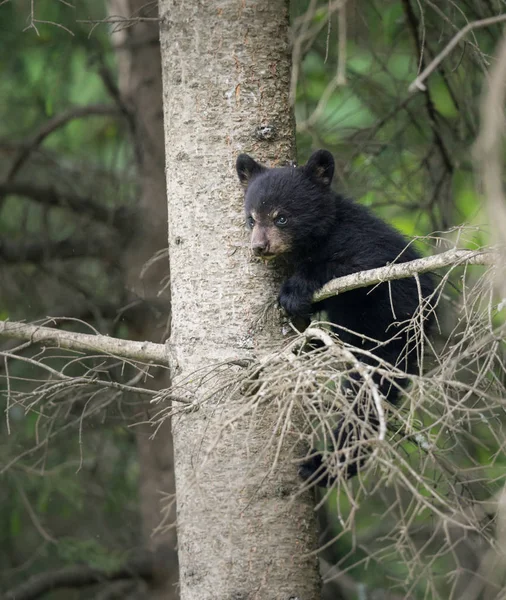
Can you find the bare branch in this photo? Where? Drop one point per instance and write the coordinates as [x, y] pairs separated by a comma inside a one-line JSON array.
[[119, 20], [402, 270], [342, 48], [78, 381], [142, 351], [417, 84]]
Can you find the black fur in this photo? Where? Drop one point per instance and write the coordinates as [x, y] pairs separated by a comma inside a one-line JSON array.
[[327, 236]]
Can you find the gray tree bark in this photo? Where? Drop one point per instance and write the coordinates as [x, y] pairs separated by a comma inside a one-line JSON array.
[[226, 75], [140, 84]]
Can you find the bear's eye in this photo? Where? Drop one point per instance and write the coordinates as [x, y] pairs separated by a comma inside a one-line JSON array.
[[280, 221], [250, 222]]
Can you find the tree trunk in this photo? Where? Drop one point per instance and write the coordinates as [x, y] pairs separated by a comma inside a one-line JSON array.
[[140, 84], [226, 75]]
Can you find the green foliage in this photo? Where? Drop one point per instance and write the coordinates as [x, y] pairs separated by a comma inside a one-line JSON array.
[[385, 138], [71, 483], [89, 551], [53, 71]]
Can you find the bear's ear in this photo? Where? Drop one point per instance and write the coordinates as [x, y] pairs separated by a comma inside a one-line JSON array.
[[320, 167], [247, 168]]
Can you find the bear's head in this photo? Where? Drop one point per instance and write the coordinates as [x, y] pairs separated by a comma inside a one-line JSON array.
[[288, 209]]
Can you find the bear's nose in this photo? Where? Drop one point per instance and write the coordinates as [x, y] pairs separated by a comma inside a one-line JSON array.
[[259, 249]]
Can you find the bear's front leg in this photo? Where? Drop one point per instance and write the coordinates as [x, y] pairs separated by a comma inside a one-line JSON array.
[[296, 296]]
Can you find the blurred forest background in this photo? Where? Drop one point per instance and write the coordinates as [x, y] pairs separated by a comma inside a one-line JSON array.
[[79, 488]]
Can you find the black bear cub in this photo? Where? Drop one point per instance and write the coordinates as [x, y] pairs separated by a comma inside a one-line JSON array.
[[292, 211]]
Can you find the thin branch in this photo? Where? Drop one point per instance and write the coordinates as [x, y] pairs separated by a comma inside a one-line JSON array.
[[77, 381], [77, 112], [130, 21], [342, 46], [303, 32], [129, 113], [33, 516], [414, 26], [417, 84]]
